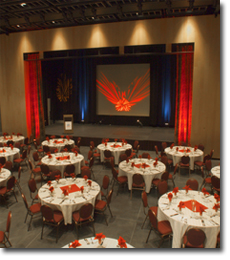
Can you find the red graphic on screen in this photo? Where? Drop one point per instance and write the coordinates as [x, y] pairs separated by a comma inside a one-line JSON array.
[[124, 100]]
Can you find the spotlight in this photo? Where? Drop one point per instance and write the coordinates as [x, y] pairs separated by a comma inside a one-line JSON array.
[[139, 122], [82, 121]]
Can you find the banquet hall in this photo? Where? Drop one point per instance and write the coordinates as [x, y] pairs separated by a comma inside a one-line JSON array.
[[125, 92]]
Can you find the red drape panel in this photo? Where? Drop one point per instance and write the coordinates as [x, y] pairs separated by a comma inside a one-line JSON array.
[[34, 107], [183, 113]]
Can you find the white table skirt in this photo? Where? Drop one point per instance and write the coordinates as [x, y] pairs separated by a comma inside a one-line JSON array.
[[73, 201], [187, 218], [16, 139], [10, 154], [90, 242], [149, 173], [61, 143], [116, 152], [4, 176], [176, 156], [216, 171], [54, 164]]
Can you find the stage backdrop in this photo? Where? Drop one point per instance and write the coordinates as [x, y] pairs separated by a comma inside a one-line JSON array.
[[112, 89]]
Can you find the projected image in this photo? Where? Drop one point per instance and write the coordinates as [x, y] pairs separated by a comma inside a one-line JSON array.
[[123, 89]]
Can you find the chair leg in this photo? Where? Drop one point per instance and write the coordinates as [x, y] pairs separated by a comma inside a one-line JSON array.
[[110, 211], [131, 193], [30, 222], [148, 235], [161, 242], [26, 217], [144, 221], [42, 229], [57, 234], [15, 195], [105, 218], [8, 240]]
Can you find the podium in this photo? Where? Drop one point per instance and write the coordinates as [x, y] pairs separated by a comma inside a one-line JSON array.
[[68, 124]]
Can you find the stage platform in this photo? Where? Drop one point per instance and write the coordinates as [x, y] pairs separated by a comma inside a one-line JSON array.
[[147, 136]]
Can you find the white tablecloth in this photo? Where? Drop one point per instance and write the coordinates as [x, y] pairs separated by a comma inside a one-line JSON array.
[[17, 139], [216, 171], [58, 143], [4, 176], [73, 201], [54, 164], [176, 156], [209, 222], [90, 242], [116, 151], [9, 154], [149, 173]]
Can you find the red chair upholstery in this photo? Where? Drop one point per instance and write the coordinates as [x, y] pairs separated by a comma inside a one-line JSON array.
[[172, 177], [215, 184], [162, 187], [184, 163], [120, 180], [108, 157], [9, 188], [34, 171], [33, 190], [69, 169], [4, 235], [105, 186], [87, 172], [23, 159], [194, 238], [193, 183], [138, 183], [164, 177]]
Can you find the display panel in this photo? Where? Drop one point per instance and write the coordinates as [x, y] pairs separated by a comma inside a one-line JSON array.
[[123, 89]]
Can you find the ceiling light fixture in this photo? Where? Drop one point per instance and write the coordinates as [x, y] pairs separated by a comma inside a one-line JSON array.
[[18, 25], [23, 4]]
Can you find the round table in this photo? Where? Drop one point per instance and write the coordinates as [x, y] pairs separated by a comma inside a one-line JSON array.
[[216, 171], [116, 148], [209, 222], [55, 164], [9, 154], [16, 139], [149, 172], [74, 200], [58, 143], [90, 242], [4, 176], [176, 155]]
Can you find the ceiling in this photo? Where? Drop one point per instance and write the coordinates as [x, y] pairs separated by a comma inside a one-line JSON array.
[[29, 15]]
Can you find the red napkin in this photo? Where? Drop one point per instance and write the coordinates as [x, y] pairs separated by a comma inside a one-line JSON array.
[[56, 150], [57, 177], [216, 206], [52, 136], [99, 236], [195, 147], [156, 159], [72, 175], [201, 210], [127, 160], [47, 139], [82, 189], [181, 205], [217, 197], [132, 164], [49, 156], [70, 188], [170, 195], [175, 190], [171, 146], [1, 166], [76, 153], [186, 187], [51, 189], [149, 157], [155, 164], [140, 156], [205, 191], [65, 192], [177, 149], [11, 146], [49, 183], [121, 242], [62, 136], [75, 244], [65, 150], [89, 182], [4, 134], [85, 177], [115, 140]]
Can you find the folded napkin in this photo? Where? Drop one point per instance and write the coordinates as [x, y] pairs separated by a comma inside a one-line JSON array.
[[217, 197], [74, 244], [171, 146], [186, 187], [122, 242], [205, 191], [181, 205], [99, 236], [170, 195], [175, 190], [216, 206]]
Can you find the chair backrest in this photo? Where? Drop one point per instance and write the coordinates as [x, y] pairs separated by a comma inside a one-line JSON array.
[[47, 213], [10, 142], [10, 183], [35, 156], [156, 149], [8, 222], [135, 144], [196, 237], [164, 145], [164, 159], [193, 184], [165, 176], [26, 141], [92, 145], [31, 165], [45, 169], [144, 199], [145, 155], [24, 154], [107, 153], [54, 174], [19, 173], [105, 182], [208, 165], [70, 168], [215, 182], [138, 179], [8, 165], [185, 159], [87, 172], [17, 145], [90, 154], [211, 153], [25, 201], [162, 187], [2, 160], [201, 147], [115, 173], [123, 157], [128, 152], [32, 185], [206, 157], [46, 148], [91, 162], [86, 211], [153, 219], [109, 196]]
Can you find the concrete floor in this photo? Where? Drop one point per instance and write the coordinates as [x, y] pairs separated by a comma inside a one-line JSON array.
[[127, 218]]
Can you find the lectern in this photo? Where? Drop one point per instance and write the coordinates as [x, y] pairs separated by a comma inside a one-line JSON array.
[[68, 124]]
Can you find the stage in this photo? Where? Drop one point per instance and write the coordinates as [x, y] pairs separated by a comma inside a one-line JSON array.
[[147, 136]]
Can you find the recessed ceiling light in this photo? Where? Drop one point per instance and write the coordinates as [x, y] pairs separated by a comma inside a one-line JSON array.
[[53, 21], [18, 25], [92, 17], [23, 4]]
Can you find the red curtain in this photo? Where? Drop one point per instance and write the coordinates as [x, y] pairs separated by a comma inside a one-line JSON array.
[[184, 85], [34, 106]]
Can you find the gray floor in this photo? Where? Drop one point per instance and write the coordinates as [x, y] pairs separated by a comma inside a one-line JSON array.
[[126, 222]]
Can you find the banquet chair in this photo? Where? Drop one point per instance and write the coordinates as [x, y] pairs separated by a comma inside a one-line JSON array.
[[37, 159], [34, 171], [135, 152], [211, 153], [10, 142], [194, 238], [128, 152], [184, 163], [33, 190], [52, 218], [90, 155], [193, 184], [172, 177], [206, 179], [18, 145], [162, 188], [146, 206], [37, 146], [162, 228], [120, 180], [23, 159], [105, 186], [54, 174], [2, 160], [69, 169], [101, 206], [9, 188], [45, 172], [163, 145], [83, 217], [26, 144], [33, 210], [157, 151], [199, 164], [67, 147], [90, 167], [87, 172], [166, 161], [201, 147], [4, 235], [8, 165], [46, 149], [17, 180], [215, 184], [164, 177], [108, 157], [122, 157], [138, 183], [145, 155]]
